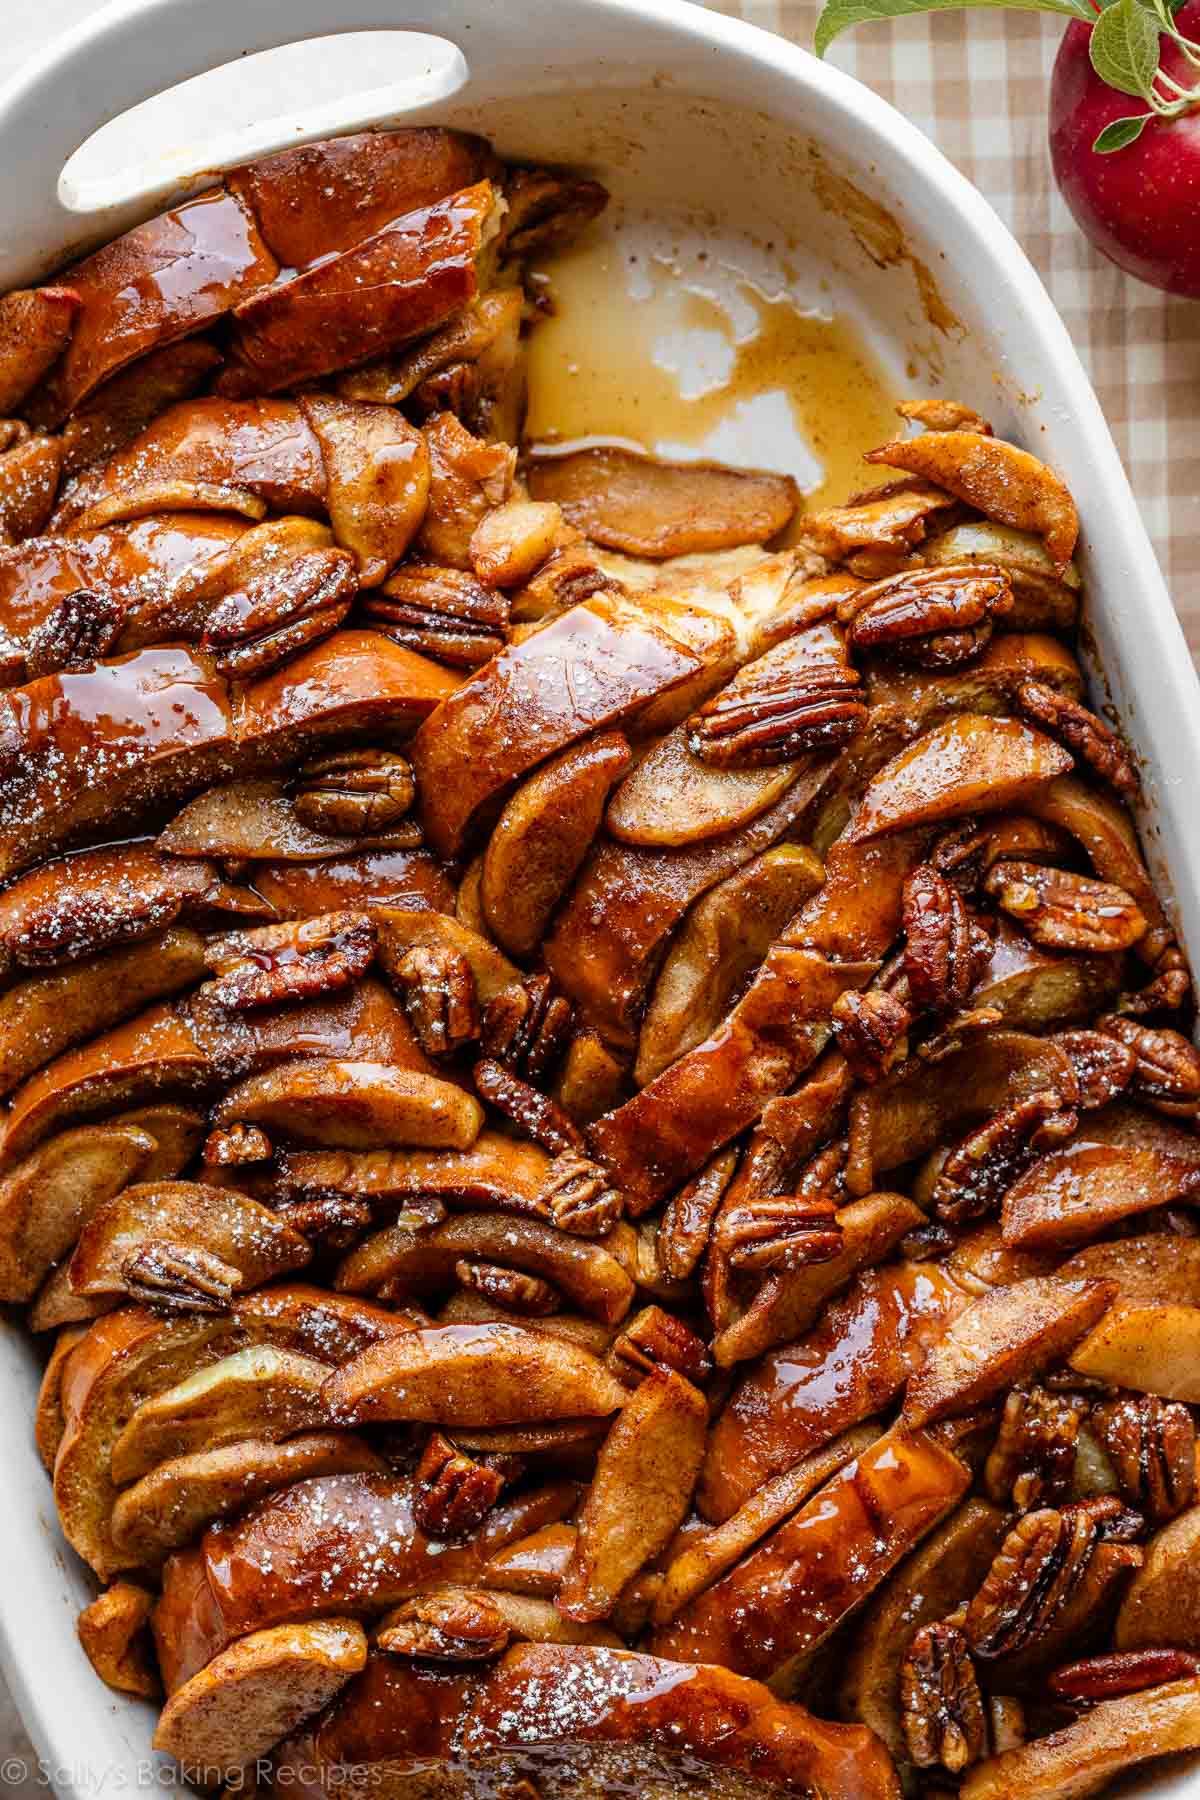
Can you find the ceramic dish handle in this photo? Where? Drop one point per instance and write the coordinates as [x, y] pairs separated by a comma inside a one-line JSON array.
[[133, 49]]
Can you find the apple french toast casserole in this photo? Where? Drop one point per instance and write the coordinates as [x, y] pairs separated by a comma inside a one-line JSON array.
[[601, 1120]]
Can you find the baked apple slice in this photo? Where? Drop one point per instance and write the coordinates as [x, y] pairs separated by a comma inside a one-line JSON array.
[[198, 1245], [651, 508], [639, 1494], [402, 282], [968, 765], [1001, 1340], [35, 327], [493, 1171], [377, 470], [542, 837], [48, 1421], [403, 1259], [121, 408], [257, 1691], [257, 820], [1160, 1606], [465, 1375], [1032, 988], [336, 1543], [172, 1505], [784, 1407], [784, 1598], [29, 473], [1082, 1758], [259, 1392], [49, 1197], [1122, 1162], [156, 283], [354, 1106], [592, 667], [1151, 1349], [671, 798]]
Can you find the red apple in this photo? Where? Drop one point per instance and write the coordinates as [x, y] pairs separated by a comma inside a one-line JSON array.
[[1139, 205]]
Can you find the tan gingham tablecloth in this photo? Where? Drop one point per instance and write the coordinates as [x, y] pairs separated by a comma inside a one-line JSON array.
[[977, 84]]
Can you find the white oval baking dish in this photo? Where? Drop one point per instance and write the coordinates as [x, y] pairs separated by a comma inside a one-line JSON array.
[[723, 131]]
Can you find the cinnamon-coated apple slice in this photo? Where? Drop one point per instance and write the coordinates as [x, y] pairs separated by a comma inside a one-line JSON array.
[[670, 797], [122, 407], [256, 820], [326, 196], [970, 764], [257, 1691], [45, 1014], [153, 1056], [472, 1375], [424, 1259], [1082, 1757], [377, 470], [114, 1634], [401, 282], [639, 1494], [923, 1590], [29, 474], [354, 1106], [1007, 484], [338, 1542], [1032, 988], [259, 1392], [711, 1552], [1160, 1606], [924, 1104], [518, 1618], [784, 1406], [493, 1169], [1123, 1161], [647, 507], [542, 837], [607, 938], [788, 1303], [789, 1593], [139, 292], [1153, 1349], [726, 934], [173, 1504], [533, 1565], [592, 667], [999, 1341], [1146, 1270], [47, 1199], [35, 327], [148, 1235]]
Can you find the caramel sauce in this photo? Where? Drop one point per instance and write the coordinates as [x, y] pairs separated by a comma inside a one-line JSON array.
[[683, 355]]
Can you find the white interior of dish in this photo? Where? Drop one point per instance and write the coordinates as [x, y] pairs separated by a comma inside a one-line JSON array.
[[716, 138]]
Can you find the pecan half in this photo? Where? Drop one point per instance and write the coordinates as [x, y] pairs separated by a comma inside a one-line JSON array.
[[510, 1288], [292, 961], [532, 1112], [1033, 1459], [940, 1702], [228, 1145], [332, 1219], [979, 1172], [569, 576], [871, 1031], [354, 792], [1036, 1570], [526, 1026], [1064, 911], [1166, 1072], [687, 1219], [437, 990], [935, 618], [1121, 1672], [83, 627], [453, 1491], [455, 1627], [754, 723], [1169, 988], [1103, 1066], [1079, 731], [941, 952], [1151, 1444], [579, 1197], [654, 1339], [446, 613], [784, 1231], [181, 1276], [279, 611]]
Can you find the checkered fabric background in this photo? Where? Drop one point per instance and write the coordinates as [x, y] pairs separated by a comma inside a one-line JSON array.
[[977, 84]]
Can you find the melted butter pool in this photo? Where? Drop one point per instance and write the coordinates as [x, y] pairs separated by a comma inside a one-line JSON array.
[[675, 352]]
